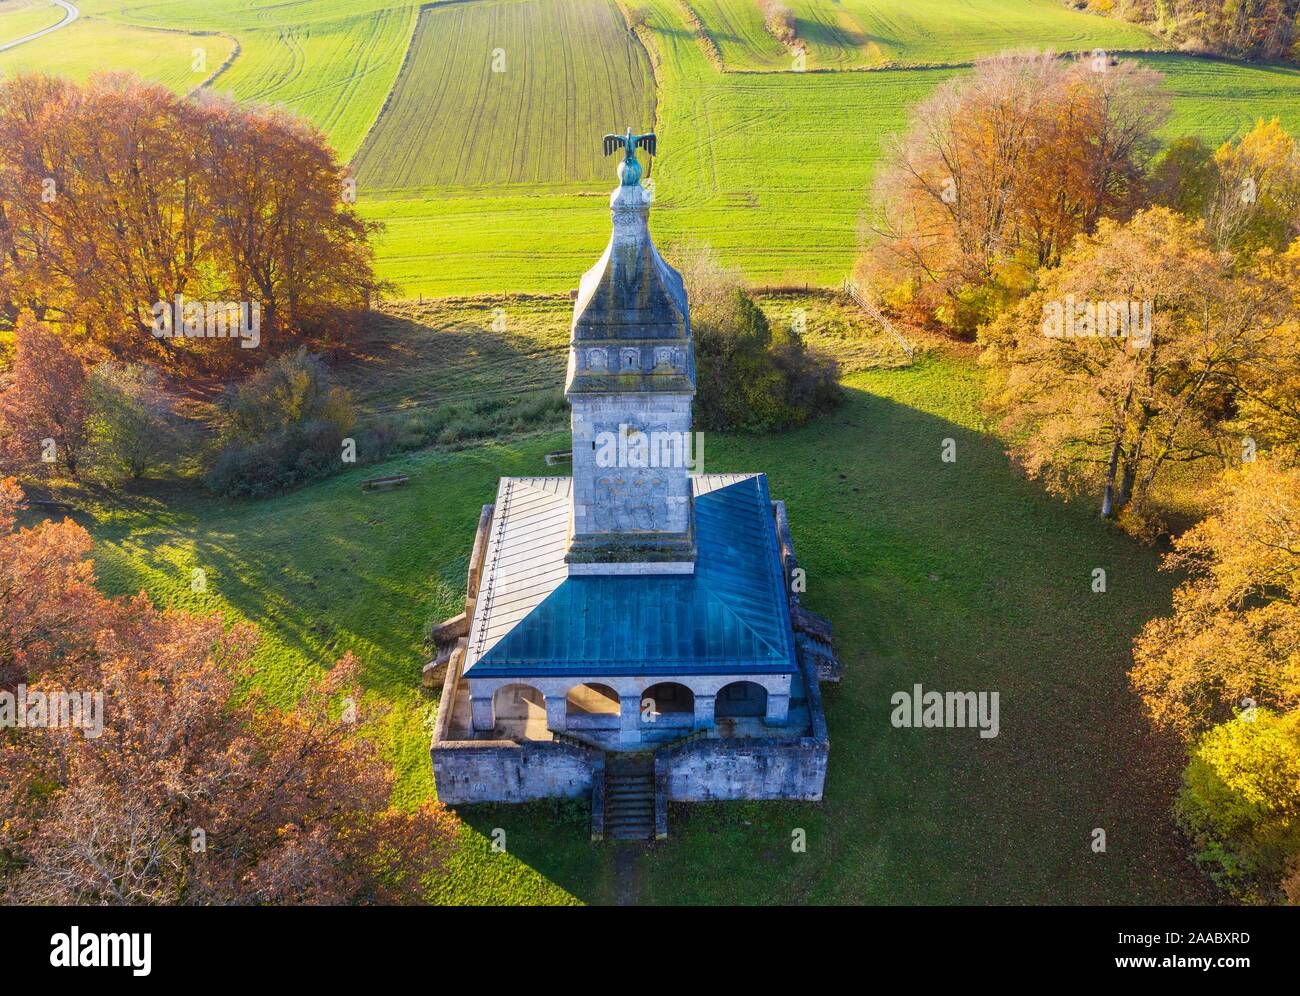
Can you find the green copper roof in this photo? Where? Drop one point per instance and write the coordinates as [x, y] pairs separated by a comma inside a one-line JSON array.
[[730, 616]]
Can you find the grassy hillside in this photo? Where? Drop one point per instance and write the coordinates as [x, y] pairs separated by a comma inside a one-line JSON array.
[[93, 44], [507, 92], [332, 61], [335, 66], [1218, 100], [857, 34], [19, 18], [772, 169]]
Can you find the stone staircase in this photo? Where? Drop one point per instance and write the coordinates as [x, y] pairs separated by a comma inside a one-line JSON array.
[[629, 798]]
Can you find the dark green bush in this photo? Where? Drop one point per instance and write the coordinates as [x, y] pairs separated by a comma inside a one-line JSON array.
[[749, 378], [283, 426], [282, 461]]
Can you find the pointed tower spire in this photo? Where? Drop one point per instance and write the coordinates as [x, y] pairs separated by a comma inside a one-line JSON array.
[[630, 383]]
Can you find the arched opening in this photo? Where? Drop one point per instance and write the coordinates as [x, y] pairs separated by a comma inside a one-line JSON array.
[[669, 703], [740, 698], [520, 710], [592, 706]]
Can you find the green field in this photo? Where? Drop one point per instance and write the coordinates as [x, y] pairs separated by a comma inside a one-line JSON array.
[[856, 34], [83, 47], [772, 169], [762, 167], [332, 61], [484, 179], [19, 18], [481, 102]]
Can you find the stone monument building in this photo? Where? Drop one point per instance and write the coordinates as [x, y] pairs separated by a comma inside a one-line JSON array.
[[630, 631]]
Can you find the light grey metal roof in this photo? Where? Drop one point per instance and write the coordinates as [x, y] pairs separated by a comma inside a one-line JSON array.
[[731, 615]]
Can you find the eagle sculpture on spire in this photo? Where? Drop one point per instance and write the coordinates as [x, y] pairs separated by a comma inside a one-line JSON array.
[[629, 170]]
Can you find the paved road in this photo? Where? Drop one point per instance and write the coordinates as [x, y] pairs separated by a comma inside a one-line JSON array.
[[70, 14]]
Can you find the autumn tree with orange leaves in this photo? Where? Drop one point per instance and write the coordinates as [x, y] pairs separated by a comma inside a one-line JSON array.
[[998, 174], [118, 195], [194, 792], [43, 411], [1234, 635]]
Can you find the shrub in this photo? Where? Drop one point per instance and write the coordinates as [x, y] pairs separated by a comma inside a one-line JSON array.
[[811, 378], [289, 390], [1241, 803], [748, 378], [269, 466], [129, 425], [284, 425], [379, 439]]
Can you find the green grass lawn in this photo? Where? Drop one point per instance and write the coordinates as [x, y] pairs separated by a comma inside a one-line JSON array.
[[959, 576]]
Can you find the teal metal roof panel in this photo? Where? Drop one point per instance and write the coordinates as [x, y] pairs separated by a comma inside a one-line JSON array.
[[730, 616]]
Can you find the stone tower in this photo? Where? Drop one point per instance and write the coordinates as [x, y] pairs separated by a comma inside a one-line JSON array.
[[630, 383]]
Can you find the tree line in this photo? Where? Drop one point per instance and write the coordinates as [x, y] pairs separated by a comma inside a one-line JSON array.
[[151, 245], [1246, 29]]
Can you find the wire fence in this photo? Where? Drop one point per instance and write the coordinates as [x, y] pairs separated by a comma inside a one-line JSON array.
[[865, 302]]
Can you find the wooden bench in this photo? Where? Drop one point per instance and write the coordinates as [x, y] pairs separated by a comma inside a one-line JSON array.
[[49, 505], [380, 483]]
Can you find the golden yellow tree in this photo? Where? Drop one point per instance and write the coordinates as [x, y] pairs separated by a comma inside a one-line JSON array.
[[1257, 203], [1233, 640], [1129, 355]]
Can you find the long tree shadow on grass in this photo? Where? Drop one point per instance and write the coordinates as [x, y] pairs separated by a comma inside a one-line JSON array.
[[957, 576], [332, 568], [329, 568]]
